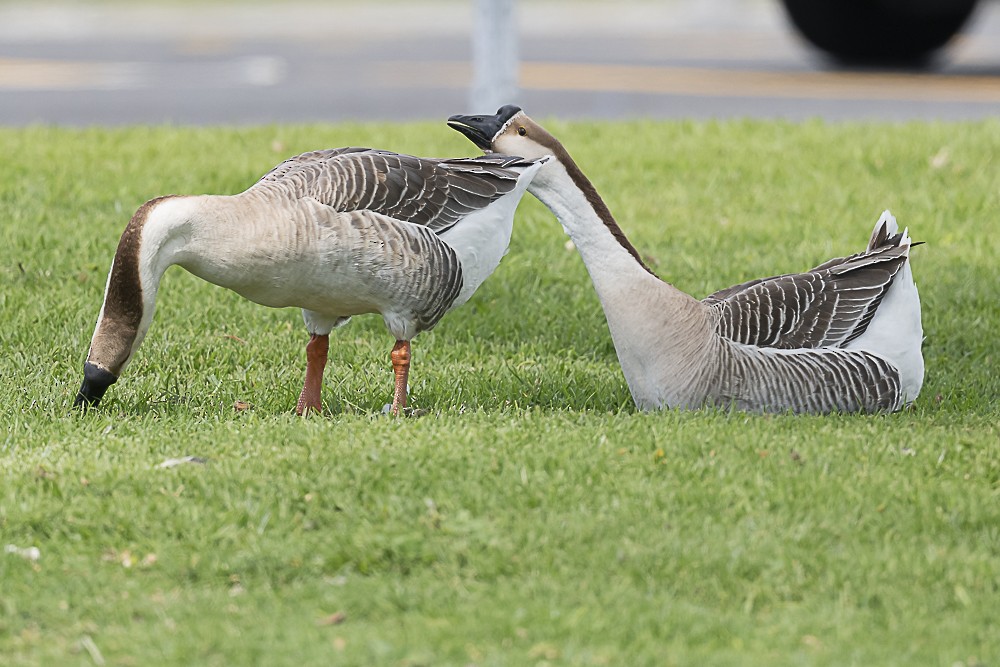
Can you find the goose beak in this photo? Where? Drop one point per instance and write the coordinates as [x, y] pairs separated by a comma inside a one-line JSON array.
[[482, 130], [96, 381]]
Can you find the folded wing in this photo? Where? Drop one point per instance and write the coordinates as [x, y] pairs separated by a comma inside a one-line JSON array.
[[435, 193], [828, 306]]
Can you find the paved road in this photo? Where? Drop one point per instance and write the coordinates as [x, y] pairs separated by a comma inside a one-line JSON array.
[[258, 63]]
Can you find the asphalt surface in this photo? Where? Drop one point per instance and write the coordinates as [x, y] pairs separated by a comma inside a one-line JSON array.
[[77, 64]]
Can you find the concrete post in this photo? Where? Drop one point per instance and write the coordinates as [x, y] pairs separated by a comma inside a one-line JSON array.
[[494, 55]]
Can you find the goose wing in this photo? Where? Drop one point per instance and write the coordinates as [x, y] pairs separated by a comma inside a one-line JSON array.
[[435, 193], [828, 306]]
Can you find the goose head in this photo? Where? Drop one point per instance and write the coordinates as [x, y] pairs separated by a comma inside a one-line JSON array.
[[510, 131], [560, 184], [116, 333], [96, 381]]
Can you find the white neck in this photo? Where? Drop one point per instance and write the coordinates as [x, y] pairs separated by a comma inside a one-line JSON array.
[[614, 270], [653, 324]]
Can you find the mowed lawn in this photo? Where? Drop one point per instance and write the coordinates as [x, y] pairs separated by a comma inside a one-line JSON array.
[[531, 516]]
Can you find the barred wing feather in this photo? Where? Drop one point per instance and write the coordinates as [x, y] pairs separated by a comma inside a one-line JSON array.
[[435, 193], [828, 306]]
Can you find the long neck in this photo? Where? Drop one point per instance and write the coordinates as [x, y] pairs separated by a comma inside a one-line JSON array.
[[657, 329], [147, 248], [614, 265]]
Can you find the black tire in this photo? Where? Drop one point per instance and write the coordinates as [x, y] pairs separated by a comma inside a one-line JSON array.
[[879, 31]]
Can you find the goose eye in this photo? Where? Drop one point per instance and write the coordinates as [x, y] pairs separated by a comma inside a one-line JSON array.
[[522, 131]]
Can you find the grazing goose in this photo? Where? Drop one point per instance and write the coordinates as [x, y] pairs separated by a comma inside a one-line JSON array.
[[337, 233], [844, 336]]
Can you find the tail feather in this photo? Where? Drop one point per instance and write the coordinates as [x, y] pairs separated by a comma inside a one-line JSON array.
[[887, 235], [895, 331], [885, 232]]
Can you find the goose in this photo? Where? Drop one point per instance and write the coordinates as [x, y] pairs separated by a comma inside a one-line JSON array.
[[337, 233], [844, 336]]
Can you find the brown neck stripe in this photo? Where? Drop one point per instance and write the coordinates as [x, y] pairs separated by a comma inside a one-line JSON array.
[[123, 302], [593, 198]]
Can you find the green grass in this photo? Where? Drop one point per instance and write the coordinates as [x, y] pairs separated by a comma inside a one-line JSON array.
[[532, 517]]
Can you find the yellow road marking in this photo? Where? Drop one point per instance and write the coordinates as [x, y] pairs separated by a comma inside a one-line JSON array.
[[43, 74], [755, 83], [38, 74], [697, 81], [204, 46]]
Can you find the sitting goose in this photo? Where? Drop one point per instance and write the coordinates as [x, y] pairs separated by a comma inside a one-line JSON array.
[[844, 336], [337, 233]]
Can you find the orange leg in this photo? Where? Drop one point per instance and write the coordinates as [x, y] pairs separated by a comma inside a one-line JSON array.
[[401, 368], [316, 351]]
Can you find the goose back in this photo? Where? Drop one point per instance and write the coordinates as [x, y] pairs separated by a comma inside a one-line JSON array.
[[829, 306], [432, 192], [360, 231]]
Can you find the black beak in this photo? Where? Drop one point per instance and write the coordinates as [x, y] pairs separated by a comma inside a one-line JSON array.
[[95, 382], [481, 130]]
